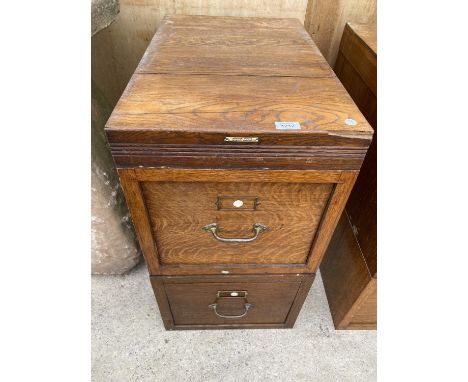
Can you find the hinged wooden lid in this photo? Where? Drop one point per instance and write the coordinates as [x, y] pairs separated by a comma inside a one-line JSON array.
[[203, 79]]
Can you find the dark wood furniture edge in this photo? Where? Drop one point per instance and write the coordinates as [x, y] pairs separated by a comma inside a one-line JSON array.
[[347, 321], [345, 269], [139, 213], [333, 212], [162, 301], [349, 27], [344, 298], [352, 40], [299, 300]]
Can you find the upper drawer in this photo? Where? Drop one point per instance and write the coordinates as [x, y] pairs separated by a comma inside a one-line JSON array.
[[234, 223], [194, 221]]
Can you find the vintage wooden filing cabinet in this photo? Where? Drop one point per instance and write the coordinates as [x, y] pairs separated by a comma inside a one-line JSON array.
[[349, 268], [237, 148]]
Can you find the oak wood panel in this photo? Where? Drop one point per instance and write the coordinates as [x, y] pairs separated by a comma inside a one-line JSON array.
[[315, 120], [320, 150], [167, 136], [191, 109], [362, 204], [364, 315], [163, 302], [230, 46], [367, 33], [179, 210], [176, 94], [362, 209], [232, 269], [277, 299], [334, 208], [272, 301], [361, 326], [325, 21], [136, 206], [221, 176], [149, 92], [299, 300], [230, 157], [358, 89], [359, 55], [126, 39], [349, 269], [344, 273], [330, 219]]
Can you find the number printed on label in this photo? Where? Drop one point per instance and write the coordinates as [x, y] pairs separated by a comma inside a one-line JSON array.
[[288, 125]]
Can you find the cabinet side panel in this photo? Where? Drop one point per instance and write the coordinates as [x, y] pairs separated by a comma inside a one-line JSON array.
[[365, 314], [344, 273]]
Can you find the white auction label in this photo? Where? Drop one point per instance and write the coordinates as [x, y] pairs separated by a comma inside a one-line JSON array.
[[288, 125]]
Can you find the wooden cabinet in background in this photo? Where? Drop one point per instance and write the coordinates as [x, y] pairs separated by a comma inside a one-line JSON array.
[[236, 148], [349, 269]]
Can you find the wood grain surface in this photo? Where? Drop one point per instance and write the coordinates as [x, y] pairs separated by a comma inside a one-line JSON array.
[[367, 32], [349, 269], [233, 46], [361, 81], [204, 84], [237, 156], [222, 176], [261, 121], [360, 56], [178, 94], [346, 277], [364, 314], [193, 89], [141, 222], [330, 219], [277, 299], [118, 49], [342, 181], [201, 81], [179, 210]]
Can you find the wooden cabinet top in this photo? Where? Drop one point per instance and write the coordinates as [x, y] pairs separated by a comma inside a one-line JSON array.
[[367, 33], [359, 47], [234, 75]]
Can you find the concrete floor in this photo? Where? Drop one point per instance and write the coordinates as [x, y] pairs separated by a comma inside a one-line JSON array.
[[129, 343]]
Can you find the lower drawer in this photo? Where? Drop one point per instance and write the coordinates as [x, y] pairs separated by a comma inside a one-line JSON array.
[[231, 301]]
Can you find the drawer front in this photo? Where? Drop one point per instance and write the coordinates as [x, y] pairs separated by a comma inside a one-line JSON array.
[[197, 223], [230, 301]]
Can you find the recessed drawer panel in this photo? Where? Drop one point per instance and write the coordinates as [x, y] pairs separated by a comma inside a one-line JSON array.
[[234, 223], [231, 301]]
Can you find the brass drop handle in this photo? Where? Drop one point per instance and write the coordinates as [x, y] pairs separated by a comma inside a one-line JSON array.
[[257, 229], [247, 306], [231, 296]]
